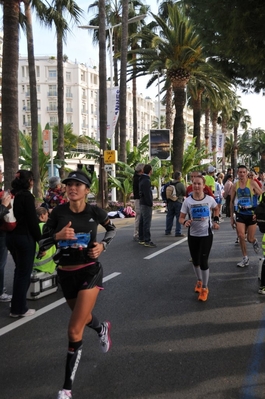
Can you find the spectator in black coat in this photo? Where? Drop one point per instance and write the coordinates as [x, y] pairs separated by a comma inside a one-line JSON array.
[[146, 206], [136, 195]]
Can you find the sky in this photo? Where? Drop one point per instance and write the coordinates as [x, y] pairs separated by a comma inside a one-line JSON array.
[[80, 48]]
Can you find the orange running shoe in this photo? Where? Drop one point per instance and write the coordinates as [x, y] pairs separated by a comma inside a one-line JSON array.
[[203, 294], [198, 286]]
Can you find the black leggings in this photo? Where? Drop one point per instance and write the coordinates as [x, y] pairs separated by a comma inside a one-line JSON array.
[[200, 248]]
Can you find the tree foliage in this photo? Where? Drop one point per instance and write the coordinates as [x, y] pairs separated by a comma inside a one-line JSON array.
[[232, 32]]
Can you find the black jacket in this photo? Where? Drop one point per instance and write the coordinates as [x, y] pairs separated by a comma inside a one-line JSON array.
[[146, 195]]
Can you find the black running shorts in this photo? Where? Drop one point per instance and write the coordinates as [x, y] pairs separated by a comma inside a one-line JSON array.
[[246, 219], [82, 279]]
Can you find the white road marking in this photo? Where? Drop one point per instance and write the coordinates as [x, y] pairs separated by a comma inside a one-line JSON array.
[[22, 320], [165, 249]]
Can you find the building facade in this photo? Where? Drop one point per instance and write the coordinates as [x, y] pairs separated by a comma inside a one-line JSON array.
[[81, 85]]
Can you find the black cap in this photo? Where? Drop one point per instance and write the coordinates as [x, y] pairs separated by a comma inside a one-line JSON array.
[[77, 176]]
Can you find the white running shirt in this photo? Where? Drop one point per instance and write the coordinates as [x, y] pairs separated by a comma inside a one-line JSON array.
[[199, 212]]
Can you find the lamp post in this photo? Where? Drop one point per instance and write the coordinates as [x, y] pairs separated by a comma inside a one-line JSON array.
[[110, 29]]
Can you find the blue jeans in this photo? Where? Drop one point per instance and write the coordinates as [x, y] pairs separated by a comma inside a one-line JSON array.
[[145, 223], [173, 210], [3, 258], [22, 249]]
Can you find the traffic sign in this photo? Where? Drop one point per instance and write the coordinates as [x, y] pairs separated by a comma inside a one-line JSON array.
[[110, 156], [46, 141]]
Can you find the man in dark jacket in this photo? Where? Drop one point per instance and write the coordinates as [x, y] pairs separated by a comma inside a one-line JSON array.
[[146, 206], [174, 206], [136, 195]]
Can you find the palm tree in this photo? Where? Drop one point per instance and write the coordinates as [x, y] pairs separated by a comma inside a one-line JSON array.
[[41, 10], [240, 117], [55, 13], [10, 146], [178, 50], [205, 80]]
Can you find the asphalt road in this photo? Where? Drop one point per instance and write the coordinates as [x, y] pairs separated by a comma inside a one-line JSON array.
[[166, 344]]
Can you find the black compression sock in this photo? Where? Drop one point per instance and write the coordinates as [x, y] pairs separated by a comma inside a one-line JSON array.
[[72, 361], [95, 324]]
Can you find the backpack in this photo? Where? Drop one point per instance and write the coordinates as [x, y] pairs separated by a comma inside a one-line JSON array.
[[168, 192], [260, 214]]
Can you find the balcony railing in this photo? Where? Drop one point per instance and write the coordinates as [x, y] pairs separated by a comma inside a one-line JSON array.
[[52, 93]]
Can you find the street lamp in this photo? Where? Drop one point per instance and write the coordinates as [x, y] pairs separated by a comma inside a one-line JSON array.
[[111, 28]]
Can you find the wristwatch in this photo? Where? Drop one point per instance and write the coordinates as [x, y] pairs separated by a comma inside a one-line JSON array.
[[104, 245]]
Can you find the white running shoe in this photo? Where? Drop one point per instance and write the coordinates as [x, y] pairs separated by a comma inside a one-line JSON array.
[[5, 297], [244, 262], [104, 336], [30, 312], [63, 394]]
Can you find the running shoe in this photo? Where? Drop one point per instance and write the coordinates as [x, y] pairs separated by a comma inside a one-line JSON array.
[[30, 312], [203, 294], [198, 286], [244, 262], [64, 394], [237, 241], [5, 297], [141, 242], [104, 336], [261, 290], [150, 244], [256, 246]]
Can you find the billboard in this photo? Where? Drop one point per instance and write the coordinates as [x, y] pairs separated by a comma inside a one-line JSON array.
[[160, 144]]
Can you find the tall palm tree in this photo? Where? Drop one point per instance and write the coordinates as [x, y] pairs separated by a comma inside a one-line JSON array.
[[178, 50], [55, 15], [123, 80], [10, 146], [239, 118], [205, 80], [41, 10]]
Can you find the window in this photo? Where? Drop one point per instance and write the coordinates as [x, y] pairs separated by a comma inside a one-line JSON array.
[[52, 106], [52, 90], [92, 108], [38, 88], [38, 104], [83, 76], [53, 120], [37, 71], [68, 92], [68, 76], [52, 73]]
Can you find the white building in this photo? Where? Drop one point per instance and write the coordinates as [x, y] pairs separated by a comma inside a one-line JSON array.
[[80, 100]]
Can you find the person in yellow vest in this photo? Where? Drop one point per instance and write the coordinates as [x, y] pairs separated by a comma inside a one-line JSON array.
[[46, 264], [243, 203], [209, 178]]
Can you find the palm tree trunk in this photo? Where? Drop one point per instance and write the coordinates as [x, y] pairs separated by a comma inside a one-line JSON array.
[[60, 99], [169, 111], [123, 80], [234, 151], [214, 124], [197, 119], [10, 145], [102, 102], [33, 102], [134, 94], [207, 128], [179, 128]]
